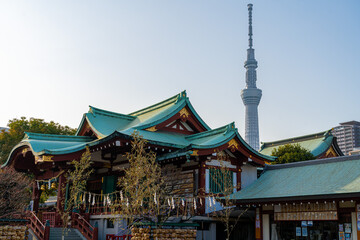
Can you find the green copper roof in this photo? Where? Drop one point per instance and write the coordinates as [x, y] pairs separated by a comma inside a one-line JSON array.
[[317, 143], [331, 176], [108, 124], [105, 122], [51, 144]]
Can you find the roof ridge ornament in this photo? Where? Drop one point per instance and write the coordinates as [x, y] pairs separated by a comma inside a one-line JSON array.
[[181, 96]]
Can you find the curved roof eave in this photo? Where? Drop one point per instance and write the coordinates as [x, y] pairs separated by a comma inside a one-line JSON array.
[[197, 115], [270, 158], [98, 134], [19, 145], [323, 146], [232, 132], [81, 124]]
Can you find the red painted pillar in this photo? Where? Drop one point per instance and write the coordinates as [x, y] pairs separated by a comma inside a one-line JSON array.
[[95, 233], [202, 179], [61, 192], [258, 224], [35, 197], [47, 231]]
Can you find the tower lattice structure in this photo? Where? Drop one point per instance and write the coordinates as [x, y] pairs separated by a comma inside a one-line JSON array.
[[251, 95]]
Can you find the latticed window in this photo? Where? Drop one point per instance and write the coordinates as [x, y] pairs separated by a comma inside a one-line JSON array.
[[220, 181]]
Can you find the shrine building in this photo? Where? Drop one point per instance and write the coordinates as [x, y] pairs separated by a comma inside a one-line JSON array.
[[173, 130], [321, 145]]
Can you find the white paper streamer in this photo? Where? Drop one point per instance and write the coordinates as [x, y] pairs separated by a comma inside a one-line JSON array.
[[194, 203], [49, 184], [121, 196], [89, 197], [127, 202], [182, 202], [169, 203], [210, 202], [172, 203], [93, 202]]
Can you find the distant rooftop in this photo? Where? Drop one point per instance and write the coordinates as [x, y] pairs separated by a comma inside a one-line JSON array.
[[317, 144], [1, 128], [350, 123]]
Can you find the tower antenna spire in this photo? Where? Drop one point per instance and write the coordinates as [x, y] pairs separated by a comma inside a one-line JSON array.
[[250, 25], [251, 95]]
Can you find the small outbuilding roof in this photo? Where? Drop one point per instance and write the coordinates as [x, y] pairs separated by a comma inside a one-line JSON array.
[[330, 178], [317, 143]]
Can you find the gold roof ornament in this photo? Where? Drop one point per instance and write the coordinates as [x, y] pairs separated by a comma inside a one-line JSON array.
[[151, 129], [184, 113], [195, 153], [233, 145]]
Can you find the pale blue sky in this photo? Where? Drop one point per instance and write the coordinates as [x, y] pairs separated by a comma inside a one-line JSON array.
[[58, 57]]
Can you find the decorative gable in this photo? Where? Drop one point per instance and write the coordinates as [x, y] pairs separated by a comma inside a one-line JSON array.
[[184, 121]]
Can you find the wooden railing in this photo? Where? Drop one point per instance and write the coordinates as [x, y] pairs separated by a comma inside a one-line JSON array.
[[41, 231], [54, 219], [81, 224]]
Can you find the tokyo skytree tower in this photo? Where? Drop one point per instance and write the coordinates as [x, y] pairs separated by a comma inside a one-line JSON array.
[[251, 95]]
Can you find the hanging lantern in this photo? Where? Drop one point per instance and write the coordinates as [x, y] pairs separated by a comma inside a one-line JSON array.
[[42, 188], [53, 185]]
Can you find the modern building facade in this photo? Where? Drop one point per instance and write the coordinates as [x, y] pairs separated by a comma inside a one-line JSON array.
[[251, 95], [348, 136]]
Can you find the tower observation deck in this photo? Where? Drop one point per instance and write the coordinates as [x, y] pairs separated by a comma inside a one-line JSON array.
[[251, 95]]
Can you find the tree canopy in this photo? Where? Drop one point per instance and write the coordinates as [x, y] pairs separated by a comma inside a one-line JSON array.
[[9, 138], [291, 153]]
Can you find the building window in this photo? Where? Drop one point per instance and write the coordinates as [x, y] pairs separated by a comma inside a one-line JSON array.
[[220, 181], [109, 223]]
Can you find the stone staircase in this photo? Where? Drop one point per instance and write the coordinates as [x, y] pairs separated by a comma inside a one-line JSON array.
[[69, 234]]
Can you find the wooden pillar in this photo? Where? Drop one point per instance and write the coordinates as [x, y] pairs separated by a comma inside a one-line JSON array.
[[357, 230], [238, 178], [47, 230], [35, 197], [61, 193], [258, 224], [202, 185]]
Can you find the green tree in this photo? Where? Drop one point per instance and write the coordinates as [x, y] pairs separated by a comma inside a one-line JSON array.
[[142, 185], [291, 153], [76, 179], [17, 127]]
